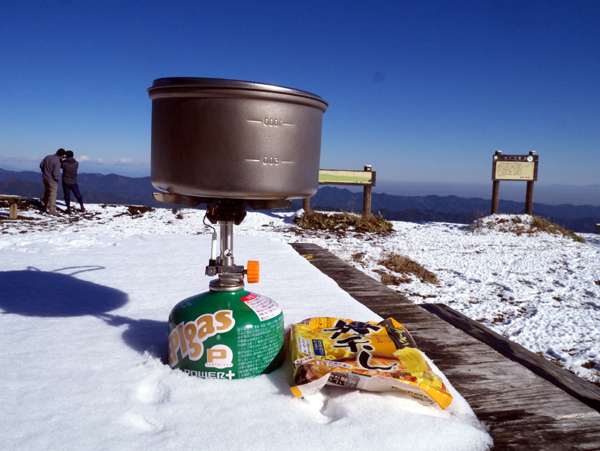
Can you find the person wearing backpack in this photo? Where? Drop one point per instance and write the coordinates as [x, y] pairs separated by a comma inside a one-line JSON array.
[[69, 180]]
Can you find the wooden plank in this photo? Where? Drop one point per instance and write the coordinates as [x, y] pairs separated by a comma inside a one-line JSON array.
[[11, 198], [575, 386], [521, 409]]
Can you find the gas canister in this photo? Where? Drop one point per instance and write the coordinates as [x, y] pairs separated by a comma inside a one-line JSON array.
[[226, 335]]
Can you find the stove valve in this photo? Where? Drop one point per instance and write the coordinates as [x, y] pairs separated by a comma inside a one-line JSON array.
[[252, 272]]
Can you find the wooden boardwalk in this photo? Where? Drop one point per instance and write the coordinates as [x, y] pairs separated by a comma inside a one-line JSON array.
[[524, 409]]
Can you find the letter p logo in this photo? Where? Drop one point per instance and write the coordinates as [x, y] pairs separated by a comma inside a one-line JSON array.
[[219, 356]]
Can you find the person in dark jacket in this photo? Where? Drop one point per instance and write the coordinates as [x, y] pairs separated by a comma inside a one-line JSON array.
[[69, 180], [50, 167]]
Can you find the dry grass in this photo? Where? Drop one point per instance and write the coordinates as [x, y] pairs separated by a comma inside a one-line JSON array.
[[358, 257], [403, 265], [342, 222], [539, 224], [389, 279], [136, 211], [518, 226]]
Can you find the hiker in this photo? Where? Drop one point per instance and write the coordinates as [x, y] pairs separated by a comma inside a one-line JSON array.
[[50, 167], [69, 180]]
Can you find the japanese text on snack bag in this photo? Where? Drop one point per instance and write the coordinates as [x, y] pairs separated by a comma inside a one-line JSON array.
[[358, 342]]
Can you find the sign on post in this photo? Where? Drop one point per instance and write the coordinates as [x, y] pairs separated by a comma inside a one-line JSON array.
[[342, 177], [364, 178], [514, 168]]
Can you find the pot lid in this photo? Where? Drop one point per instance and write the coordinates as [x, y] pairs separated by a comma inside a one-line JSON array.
[[221, 83]]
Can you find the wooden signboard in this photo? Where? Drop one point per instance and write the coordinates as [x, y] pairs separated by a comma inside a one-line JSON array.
[[515, 167], [342, 177], [365, 178]]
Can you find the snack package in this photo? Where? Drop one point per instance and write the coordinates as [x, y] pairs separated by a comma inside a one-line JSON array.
[[362, 355]]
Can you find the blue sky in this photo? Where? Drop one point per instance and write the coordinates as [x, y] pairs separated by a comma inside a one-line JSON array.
[[424, 91]]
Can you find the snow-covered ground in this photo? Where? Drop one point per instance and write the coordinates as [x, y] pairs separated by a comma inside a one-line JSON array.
[[83, 336], [86, 298], [541, 291]]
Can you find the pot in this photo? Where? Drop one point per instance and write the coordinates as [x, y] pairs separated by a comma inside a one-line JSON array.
[[235, 139]]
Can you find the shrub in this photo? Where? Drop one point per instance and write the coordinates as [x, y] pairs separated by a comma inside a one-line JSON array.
[[388, 279], [539, 224], [520, 225], [342, 222]]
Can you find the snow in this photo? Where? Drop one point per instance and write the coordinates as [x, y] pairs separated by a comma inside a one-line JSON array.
[[86, 300]]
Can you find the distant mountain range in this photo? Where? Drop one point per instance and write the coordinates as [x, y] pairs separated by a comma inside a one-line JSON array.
[[117, 189], [95, 188], [579, 218]]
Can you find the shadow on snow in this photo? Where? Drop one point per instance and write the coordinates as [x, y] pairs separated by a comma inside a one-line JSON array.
[[59, 294], [49, 294]]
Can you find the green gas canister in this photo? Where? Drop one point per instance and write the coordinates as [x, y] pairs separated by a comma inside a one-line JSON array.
[[226, 335]]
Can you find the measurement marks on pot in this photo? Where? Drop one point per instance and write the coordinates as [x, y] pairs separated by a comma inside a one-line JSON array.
[[270, 161], [271, 122]]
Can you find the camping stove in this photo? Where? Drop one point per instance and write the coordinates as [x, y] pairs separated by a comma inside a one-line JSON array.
[[227, 213], [227, 332], [231, 145]]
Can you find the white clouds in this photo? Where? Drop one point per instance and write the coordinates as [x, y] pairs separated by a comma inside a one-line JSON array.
[[15, 160], [123, 166], [112, 162]]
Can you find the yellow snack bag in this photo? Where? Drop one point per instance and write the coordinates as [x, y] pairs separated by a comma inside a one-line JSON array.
[[362, 355]]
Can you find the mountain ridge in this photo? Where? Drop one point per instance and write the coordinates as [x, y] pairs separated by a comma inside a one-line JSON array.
[[118, 189]]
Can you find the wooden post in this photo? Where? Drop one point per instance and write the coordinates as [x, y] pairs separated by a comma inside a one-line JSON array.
[[529, 195], [367, 198], [495, 196], [13, 213], [529, 199], [306, 205], [496, 189]]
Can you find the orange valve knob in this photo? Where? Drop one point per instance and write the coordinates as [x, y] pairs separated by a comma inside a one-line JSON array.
[[253, 272]]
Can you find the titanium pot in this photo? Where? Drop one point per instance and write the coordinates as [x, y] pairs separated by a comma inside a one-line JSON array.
[[235, 139]]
